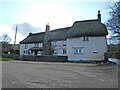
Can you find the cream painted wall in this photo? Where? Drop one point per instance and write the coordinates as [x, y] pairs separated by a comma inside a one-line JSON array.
[[59, 47], [95, 44], [23, 49]]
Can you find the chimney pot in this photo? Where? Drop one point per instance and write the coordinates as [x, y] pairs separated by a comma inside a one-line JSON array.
[[99, 16]]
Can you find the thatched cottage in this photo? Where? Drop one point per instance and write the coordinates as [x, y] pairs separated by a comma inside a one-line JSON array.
[[84, 40]]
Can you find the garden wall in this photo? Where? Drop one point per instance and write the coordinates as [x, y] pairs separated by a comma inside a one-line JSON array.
[[44, 58], [14, 56]]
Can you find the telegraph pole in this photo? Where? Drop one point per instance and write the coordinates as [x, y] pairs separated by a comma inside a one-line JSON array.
[[15, 37]]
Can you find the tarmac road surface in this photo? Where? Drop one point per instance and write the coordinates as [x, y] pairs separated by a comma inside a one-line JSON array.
[[26, 74]]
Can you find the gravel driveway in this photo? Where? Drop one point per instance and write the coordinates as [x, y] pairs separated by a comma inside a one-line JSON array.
[[23, 74]]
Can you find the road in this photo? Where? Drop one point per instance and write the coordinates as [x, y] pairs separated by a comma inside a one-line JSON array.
[[23, 74]]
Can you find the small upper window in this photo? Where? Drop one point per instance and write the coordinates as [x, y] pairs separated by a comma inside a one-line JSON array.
[[64, 43], [85, 38], [36, 44], [95, 52]]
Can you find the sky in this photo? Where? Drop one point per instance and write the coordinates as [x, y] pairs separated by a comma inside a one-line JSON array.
[[33, 15]]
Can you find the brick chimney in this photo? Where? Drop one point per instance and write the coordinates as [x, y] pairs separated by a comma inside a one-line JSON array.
[[99, 16], [46, 42], [47, 28]]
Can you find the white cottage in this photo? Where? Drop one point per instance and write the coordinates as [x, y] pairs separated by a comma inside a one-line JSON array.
[[84, 40]]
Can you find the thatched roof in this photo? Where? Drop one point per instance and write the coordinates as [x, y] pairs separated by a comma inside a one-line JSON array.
[[34, 38], [59, 34], [88, 27], [78, 29]]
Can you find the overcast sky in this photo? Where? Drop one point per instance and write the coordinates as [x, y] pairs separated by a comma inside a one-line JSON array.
[[33, 15]]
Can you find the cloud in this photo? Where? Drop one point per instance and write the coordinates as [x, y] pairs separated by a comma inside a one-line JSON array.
[[25, 28], [7, 29], [39, 15]]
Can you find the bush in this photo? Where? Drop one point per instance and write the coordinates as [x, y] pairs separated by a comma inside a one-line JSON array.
[[114, 54]]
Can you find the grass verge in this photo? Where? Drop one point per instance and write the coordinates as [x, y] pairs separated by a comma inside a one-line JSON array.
[[5, 59]]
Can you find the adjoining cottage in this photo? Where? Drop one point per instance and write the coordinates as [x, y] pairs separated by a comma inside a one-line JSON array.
[[84, 40]]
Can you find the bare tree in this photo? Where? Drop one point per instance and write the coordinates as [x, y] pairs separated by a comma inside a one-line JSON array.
[[113, 24], [5, 38]]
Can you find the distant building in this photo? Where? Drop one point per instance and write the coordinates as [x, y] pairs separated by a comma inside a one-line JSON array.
[[84, 40], [9, 48]]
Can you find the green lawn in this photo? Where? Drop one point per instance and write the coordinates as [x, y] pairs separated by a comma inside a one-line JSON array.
[[5, 59]]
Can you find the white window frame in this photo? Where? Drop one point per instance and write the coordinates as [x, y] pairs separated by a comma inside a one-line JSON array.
[[55, 51], [85, 38], [64, 51], [25, 51], [36, 45], [78, 50], [54, 43]]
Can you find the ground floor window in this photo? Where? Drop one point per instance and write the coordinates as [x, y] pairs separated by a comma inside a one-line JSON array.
[[78, 50], [95, 52], [25, 51], [55, 51], [64, 51]]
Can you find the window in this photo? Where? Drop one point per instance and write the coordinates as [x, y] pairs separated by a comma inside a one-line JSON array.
[[78, 50], [25, 51], [36, 44], [95, 52], [40, 44], [64, 51], [55, 51], [85, 38], [26, 46], [53, 43]]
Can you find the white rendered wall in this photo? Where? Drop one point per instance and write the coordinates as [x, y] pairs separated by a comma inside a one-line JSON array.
[[95, 44]]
